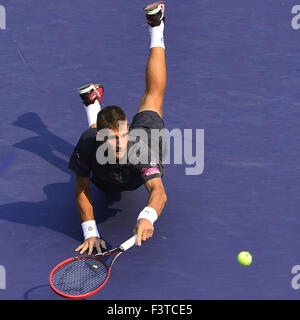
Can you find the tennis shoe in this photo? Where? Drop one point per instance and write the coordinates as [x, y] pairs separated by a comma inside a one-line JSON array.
[[89, 93], [155, 13]]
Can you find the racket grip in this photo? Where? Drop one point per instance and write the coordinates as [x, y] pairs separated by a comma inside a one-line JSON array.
[[129, 243]]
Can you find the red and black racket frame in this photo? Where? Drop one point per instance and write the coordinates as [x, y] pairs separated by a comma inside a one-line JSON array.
[[96, 257]]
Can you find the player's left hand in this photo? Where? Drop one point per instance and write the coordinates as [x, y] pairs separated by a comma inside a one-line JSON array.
[[144, 230], [89, 245]]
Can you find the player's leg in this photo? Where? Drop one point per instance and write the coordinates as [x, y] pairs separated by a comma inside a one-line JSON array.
[[156, 71], [91, 95]]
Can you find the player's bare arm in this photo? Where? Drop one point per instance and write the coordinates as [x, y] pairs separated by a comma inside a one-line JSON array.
[[83, 198], [157, 199], [85, 208]]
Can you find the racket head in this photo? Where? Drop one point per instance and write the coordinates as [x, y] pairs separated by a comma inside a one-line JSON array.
[[80, 277]]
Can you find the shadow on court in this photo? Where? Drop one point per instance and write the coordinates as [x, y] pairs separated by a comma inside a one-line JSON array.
[[59, 211]]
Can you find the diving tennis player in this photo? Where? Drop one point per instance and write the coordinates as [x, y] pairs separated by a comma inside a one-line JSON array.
[[123, 175]]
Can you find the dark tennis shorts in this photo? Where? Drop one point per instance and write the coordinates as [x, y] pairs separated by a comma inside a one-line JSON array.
[[148, 120]]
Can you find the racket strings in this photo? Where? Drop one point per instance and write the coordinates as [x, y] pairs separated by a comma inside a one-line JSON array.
[[80, 276]]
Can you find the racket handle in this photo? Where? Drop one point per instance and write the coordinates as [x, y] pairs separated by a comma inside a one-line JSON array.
[[129, 243]]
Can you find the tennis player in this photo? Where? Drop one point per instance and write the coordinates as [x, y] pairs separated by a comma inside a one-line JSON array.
[[121, 176]]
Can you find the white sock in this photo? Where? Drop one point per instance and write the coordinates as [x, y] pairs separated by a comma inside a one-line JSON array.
[[92, 112], [157, 36]]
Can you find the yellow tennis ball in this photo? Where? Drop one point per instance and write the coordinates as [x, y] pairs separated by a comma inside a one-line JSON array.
[[244, 258], [95, 266]]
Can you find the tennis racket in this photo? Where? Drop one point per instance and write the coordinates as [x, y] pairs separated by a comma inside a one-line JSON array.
[[81, 277]]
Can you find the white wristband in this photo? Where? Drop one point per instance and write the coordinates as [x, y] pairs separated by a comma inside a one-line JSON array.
[[149, 214], [89, 229]]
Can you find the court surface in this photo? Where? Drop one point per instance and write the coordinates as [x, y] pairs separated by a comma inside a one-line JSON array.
[[233, 70]]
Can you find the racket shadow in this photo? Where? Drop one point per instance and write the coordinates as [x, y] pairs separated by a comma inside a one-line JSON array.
[[30, 293], [41, 292]]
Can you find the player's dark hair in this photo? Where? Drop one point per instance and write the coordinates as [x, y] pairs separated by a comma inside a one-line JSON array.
[[109, 117]]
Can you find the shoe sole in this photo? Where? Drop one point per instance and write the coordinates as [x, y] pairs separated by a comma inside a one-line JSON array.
[[88, 87], [154, 8]]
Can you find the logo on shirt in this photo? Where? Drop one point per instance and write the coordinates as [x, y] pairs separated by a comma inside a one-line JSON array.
[[80, 163], [150, 171]]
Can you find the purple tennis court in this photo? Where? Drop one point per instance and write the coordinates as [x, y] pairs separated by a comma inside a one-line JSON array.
[[233, 71]]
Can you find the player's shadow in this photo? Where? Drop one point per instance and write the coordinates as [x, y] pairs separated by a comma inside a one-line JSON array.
[[58, 211]]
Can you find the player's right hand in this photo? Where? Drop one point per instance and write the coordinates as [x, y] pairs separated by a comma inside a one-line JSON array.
[[89, 245]]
